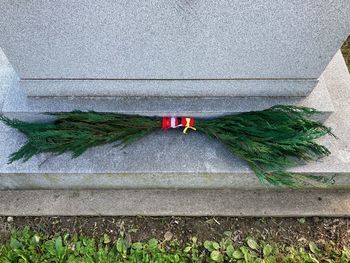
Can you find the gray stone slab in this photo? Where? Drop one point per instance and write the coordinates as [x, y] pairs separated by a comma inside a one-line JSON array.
[[169, 88], [20, 106], [161, 39], [7, 77], [15, 102], [183, 202], [162, 160]]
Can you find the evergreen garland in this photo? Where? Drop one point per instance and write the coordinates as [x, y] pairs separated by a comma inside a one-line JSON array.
[[269, 141]]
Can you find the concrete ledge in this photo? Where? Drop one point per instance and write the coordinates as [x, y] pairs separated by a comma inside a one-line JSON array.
[[159, 161], [18, 105], [168, 88], [52, 96], [175, 203]]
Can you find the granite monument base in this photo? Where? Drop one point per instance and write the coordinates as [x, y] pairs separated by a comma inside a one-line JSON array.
[[167, 159]]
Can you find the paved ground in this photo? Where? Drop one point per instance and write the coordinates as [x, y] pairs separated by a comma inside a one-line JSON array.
[[176, 202]]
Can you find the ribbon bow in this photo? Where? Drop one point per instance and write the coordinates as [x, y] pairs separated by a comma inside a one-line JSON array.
[[188, 123], [175, 122]]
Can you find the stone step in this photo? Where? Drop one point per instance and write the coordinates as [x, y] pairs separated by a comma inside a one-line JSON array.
[[18, 105], [15, 102], [183, 202], [261, 87], [160, 160]]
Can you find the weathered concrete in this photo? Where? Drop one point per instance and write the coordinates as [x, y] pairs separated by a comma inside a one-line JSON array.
[[170, 160], [181, 40], [334, 203]]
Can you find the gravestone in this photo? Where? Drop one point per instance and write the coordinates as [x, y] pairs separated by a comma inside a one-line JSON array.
[[160, 57], [171, 48]]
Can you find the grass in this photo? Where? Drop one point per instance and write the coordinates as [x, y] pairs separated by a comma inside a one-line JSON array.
[[28, 246], [346, 52]]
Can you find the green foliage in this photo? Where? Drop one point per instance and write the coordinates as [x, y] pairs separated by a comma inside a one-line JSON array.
[[28, 246], [78, 131], [269, 141]]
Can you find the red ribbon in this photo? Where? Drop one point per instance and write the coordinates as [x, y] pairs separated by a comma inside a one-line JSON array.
[[173, 122], [166, 123]]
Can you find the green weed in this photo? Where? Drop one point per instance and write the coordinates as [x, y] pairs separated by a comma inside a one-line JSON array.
[[28, 246]]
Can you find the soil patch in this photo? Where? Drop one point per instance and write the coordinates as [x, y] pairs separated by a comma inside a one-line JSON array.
[[288, 231]]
